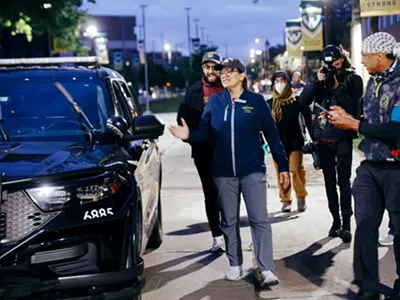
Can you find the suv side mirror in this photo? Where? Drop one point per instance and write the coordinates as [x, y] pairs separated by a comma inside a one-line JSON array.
[[146, 127], [118, 125]]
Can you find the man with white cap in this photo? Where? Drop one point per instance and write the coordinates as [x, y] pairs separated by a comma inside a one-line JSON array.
[[377, 185]]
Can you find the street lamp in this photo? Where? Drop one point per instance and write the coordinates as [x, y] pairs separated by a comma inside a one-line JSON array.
[[146, 71], [91, 31], [167, 48], [188, 32]]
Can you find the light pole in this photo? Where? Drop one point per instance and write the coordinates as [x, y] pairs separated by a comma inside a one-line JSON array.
[[197, 28], [146, 71], [188, 32], [202, 34], [226, 50]]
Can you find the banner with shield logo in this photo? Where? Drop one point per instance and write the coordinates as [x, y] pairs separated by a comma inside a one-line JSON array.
[[293, 37], [311, 25]]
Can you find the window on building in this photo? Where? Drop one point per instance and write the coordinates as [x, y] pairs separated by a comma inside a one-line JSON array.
[[384, 21], [398, 18], [364, 26], [391, 20]]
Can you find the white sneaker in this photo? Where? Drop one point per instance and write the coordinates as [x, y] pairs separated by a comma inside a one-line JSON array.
[[218, 244], [268, 278], [234, 273], [386, 240]]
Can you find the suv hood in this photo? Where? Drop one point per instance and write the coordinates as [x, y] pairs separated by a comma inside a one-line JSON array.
[[30, 159]]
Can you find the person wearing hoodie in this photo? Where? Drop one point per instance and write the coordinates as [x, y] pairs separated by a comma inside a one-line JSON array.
[[335, 84], [376, 186], [288, 113], [234, 119], [191, 110]]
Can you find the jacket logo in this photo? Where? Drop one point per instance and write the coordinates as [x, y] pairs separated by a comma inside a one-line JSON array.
[[247, 109], [384, 101]]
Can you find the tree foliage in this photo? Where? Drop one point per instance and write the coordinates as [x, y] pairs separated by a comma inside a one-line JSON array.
[[339, 22], [59, 18]]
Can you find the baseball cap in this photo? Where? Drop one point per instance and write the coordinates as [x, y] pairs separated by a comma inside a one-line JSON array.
[[331, 53], [233, 63], [212, 56]]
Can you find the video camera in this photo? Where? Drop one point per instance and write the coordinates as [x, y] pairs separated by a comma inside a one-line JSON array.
[[330, 54], [312, 148], [329, 70]]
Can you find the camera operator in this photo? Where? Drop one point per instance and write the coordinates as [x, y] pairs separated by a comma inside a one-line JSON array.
[[334, 84], [376, 186]]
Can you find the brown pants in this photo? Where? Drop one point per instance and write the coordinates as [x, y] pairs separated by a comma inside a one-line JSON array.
[[298, 178]]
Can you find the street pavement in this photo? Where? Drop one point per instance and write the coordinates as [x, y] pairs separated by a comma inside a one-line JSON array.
[[309, 264]]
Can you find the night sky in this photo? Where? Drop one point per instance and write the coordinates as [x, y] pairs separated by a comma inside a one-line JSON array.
[[234, 22]]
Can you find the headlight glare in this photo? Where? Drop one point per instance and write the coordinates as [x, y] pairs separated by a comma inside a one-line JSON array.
[[50, 198]]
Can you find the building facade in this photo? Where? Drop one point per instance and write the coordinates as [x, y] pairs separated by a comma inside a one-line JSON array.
[[389, 24], [122, 40]]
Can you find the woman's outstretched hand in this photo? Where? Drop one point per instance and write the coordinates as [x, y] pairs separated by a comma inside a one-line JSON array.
[[180, 132]]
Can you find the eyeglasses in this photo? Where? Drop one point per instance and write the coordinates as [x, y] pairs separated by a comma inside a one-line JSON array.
[[227, 72], [208, 68]]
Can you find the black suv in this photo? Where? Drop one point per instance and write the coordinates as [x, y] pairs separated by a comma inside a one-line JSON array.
[[80, 181]]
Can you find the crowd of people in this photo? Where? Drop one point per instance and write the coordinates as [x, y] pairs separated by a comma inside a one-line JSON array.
[[228, 127]]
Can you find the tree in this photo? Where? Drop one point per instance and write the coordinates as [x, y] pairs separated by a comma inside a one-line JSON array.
[[339, 14], [57, 18]]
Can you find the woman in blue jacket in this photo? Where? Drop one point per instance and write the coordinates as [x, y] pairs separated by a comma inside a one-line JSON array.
[[233, 119]]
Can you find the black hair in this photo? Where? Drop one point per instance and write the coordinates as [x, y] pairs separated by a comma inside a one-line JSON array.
[[391, 56], [283, 74], [245, 83]]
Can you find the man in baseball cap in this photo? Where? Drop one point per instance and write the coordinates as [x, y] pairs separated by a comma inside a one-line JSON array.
[[191, 110], [212, 57]]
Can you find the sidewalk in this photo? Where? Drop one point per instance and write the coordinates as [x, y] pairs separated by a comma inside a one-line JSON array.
[[309, 265]]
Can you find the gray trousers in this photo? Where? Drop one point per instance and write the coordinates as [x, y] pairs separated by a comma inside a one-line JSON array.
[[253, 188]]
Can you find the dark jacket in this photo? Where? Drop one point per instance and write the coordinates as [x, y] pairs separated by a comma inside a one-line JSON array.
[[290, 130], [347, 95], [381, 125], [234, 127], [191, 109]]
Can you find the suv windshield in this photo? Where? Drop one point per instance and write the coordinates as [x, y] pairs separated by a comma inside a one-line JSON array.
[[35, 109]]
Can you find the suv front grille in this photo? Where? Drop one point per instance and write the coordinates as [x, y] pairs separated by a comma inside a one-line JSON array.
[[19, 217]]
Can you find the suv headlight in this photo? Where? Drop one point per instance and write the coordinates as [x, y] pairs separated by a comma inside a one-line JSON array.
[[50, 198]]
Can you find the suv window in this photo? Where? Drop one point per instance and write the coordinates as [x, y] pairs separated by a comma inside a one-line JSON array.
[[122, 105], [130, 99]]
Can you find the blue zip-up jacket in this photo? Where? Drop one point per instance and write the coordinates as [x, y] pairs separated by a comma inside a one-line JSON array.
[[234, 128]]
